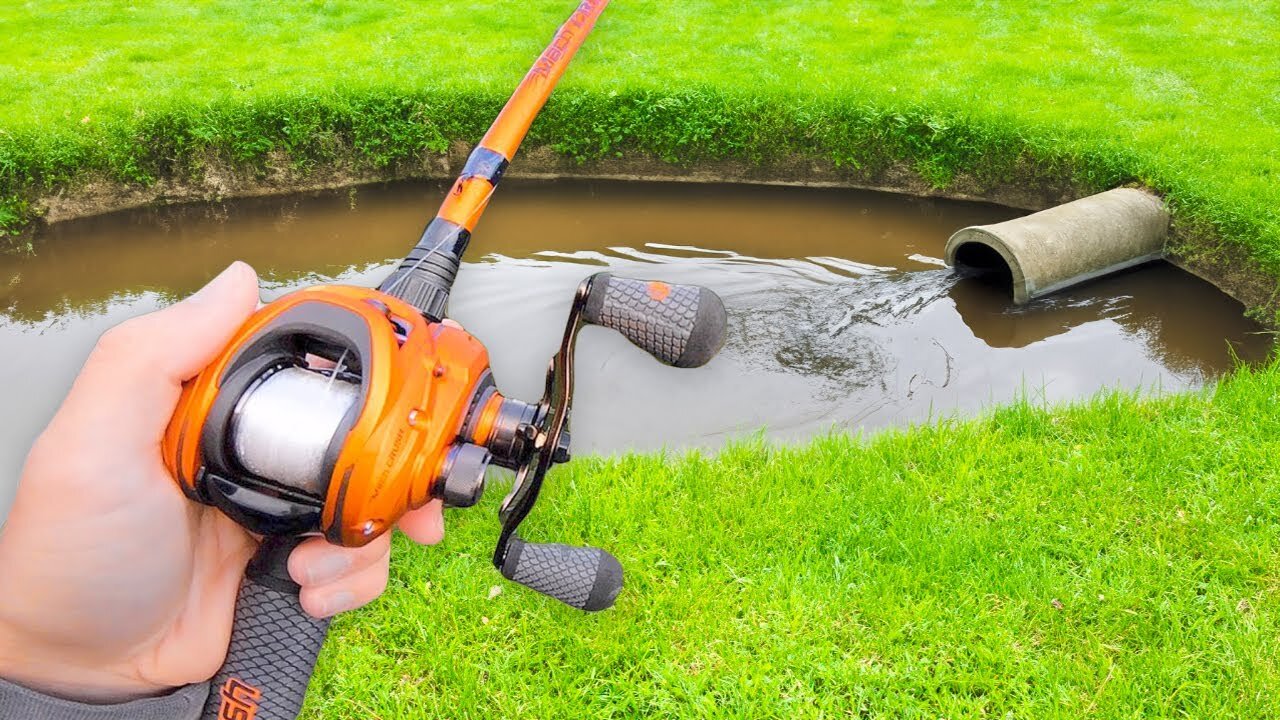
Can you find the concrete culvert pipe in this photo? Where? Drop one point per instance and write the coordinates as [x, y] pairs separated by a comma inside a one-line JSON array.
[[1055, 249]]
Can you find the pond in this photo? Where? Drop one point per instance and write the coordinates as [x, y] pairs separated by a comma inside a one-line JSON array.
[[841, 314]]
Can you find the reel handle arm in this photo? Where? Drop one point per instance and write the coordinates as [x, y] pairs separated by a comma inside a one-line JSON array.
[[585, 578], [679, 325], [274, 643]]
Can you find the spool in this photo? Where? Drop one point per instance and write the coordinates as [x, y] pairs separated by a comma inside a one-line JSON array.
[[283, 426]]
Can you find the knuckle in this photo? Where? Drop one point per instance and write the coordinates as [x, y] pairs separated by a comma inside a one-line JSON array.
[[117, 342], [49, 463], [297, 567], [373, 584], [312, 605], [376, 588], [44, 449], [378, 550]]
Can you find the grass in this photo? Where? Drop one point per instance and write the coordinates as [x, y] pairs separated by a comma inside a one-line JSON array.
[[1114, 559], [1181, 96]]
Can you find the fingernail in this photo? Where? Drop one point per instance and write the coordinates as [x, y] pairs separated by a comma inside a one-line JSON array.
[[211, 288], [338, 602], [327, 567]]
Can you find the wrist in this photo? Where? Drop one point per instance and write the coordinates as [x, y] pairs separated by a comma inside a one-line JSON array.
[[44, 669]]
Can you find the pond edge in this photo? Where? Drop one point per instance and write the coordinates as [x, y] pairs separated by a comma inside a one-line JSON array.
[[1194, 246]]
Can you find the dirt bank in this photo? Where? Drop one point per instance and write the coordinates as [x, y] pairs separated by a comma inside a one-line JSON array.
[[1194, 247]]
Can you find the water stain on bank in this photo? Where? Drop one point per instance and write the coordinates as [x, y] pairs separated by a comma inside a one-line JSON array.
[[841, 314]]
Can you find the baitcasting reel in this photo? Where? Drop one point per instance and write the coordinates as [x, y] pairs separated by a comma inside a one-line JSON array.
[[335, 410]]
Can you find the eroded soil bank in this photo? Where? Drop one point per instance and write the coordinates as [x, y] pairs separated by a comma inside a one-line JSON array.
[[1193, 247], [842, 314]]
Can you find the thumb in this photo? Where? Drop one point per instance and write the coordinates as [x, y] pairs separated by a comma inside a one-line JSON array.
[[178, 341], [141, 363]]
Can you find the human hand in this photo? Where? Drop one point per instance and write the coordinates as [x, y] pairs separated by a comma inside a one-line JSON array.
[[115, 585]]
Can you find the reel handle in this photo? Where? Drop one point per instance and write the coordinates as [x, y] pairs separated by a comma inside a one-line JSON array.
[[274, 643], [680, 325], [585, 578]]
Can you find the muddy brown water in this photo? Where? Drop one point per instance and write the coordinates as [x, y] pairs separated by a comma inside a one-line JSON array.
[[841, 313]]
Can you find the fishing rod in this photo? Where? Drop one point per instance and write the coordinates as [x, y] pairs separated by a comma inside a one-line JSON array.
[[425, 276], [334, 410]]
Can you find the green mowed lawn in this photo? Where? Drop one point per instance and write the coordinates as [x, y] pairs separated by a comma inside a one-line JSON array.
[[1183, 96], [1116, 559]]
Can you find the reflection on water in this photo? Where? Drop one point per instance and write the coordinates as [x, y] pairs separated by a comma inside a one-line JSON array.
[[841, 313]]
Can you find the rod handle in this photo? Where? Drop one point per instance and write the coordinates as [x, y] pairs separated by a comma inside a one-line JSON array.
[[585, 578], [274, 644], [680, 325]]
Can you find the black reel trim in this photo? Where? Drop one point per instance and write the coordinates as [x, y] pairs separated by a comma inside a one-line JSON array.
[[262, 505], [544, 434], [487, 164], [680, 325]]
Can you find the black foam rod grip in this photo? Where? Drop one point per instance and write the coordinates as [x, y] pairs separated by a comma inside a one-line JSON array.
[[586, 578], [681, 325], [274, 644]]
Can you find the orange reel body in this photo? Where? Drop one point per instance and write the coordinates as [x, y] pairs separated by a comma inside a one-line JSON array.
[[404, 410], [419, 381]]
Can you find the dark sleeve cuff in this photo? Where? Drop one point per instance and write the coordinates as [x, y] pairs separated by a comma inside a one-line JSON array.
[[20, 703]]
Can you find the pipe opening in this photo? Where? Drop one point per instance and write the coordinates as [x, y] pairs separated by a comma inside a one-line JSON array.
[[977, 260]]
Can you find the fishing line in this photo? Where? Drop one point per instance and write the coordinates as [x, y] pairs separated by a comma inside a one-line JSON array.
[[281, 429], [439, 243]]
